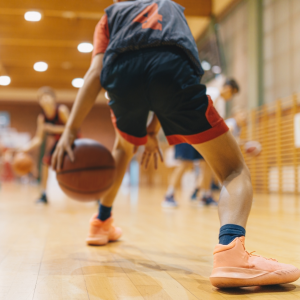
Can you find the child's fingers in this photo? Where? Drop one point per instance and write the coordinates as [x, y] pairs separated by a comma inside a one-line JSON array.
[[143, 158], [147, 160], [160, 155], [54, 160], [70, 153], [155, 160], [60, 157]]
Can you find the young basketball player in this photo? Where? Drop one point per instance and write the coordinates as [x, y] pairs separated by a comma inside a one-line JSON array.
[[146, 58], [51, 122], [188, 155]]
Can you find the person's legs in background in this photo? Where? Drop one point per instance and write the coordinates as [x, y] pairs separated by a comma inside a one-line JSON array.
[[175, 182], [204, 184], [44, 178], [46, 163]]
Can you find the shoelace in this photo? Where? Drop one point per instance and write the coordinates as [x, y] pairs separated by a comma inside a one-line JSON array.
[[251, 253]]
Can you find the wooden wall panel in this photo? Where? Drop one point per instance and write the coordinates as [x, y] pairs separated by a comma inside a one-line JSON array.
[[200, 8], [276, 169]]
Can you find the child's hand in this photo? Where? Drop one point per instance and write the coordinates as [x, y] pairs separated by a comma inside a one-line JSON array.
[[64, 145], [151, 148]]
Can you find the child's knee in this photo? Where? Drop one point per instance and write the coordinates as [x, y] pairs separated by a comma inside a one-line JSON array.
[[240, 170]]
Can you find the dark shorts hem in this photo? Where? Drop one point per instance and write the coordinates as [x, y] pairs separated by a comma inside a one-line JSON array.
[[199, 138], [137, 141]]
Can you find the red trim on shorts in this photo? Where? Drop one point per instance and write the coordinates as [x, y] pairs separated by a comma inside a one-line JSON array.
[[137, 141], [211, 114], [201, 137], [219, 127]]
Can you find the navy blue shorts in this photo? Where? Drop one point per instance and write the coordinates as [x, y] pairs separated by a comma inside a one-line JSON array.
[[161, 80], [186, 152]]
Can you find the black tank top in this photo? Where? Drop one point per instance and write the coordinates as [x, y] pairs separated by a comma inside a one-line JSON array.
[[148, 23], [55, 120]]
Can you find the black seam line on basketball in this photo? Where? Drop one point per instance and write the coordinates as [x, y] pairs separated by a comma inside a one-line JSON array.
[[80, 192], [85, 169]]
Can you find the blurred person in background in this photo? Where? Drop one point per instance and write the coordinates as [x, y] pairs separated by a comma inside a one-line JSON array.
[[50, 125], [236, 122]]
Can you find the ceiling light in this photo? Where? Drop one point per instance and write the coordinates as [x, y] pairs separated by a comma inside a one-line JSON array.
[[205, 65], [216, 69], [5, 80], [85, 47], [40, 66], [77, 82], [33, 16]]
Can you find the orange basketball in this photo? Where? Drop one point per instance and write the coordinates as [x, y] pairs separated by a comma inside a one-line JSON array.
[[22, 163], [90, 175]]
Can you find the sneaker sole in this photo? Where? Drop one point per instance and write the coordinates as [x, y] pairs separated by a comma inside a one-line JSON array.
[[97, 241], [101, 241], [228, 277]]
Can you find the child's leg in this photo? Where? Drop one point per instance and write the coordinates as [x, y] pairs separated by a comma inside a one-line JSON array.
[[233, 265], [204, 184], [123, 152], [44, 178], [177, 175], [204, 181], [225, 158], [174, 182], [101, 228]]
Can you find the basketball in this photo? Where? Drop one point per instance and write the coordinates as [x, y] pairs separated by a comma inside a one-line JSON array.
[[22, 164], [90, 175], [253, 148]]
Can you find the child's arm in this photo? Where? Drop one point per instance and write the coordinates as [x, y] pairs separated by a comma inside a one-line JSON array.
[[38, 138], [84, 102], [87, 94], [54, 129]]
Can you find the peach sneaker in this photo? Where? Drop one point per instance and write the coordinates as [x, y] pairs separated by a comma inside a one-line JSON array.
[[102, 232], [235, 267]]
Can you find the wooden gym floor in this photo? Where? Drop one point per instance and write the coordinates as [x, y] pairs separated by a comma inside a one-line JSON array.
[[164, 254]]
